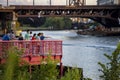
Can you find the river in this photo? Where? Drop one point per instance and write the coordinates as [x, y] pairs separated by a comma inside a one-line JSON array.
[[84, 51]]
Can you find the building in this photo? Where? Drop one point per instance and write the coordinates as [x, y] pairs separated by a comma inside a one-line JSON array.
[[108, 2], [117, 2]]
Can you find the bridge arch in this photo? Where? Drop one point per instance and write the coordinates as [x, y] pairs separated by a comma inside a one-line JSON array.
[[107, 15]]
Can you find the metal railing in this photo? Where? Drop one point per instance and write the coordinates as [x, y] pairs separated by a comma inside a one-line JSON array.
[[34, 51], [53, 47]]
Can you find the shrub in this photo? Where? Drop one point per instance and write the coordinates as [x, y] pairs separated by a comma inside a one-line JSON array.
[[46, 71], [111, 70], [12, 70], [73, 74]]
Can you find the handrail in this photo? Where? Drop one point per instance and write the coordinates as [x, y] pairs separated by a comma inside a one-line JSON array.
[[34, 48]]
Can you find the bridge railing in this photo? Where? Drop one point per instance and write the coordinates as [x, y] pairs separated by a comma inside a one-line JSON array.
[[33, 48]]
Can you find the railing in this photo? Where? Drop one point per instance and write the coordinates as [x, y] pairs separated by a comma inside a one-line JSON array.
[[33, 51]]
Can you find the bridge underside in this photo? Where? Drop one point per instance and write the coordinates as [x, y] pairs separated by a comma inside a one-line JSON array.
[[107, 22], [109, 15], [5, 15]]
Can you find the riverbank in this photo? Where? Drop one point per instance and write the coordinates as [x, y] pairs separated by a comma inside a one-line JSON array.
[[102, 32], [99, 32], [39, 29], [33, 28]]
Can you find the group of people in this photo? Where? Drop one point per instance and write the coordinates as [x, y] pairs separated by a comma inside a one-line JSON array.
[[28, 36], [39, 36], [9, 36]]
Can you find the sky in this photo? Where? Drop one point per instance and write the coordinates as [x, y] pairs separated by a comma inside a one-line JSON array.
[[41, 2]]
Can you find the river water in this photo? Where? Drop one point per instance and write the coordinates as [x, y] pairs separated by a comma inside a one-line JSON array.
[[84, 51]]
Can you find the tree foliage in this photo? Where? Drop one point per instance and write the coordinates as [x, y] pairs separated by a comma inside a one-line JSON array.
[[46, 71], [58, 23], [111, 70], [72, 74], [12, 70]]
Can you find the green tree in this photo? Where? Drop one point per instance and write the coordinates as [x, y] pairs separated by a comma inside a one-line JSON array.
[[68, 23], [73, 74], [111, 70], [58, 23], [46, 71], [12, 69]]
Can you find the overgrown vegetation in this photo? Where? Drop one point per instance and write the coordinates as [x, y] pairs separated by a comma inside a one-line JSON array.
[[111, 70], [46, 71], [13, 70], [73, 74]]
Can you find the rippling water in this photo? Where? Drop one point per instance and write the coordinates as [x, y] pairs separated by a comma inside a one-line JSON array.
[[84, 51]]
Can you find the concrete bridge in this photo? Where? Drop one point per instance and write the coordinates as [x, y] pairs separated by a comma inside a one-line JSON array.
[[107, 15]]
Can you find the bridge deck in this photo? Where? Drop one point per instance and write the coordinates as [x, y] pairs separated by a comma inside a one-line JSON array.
[[107, 15], [65, 7]]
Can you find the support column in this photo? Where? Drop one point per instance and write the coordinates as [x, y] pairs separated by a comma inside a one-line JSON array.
[[50, 3], [4, 28], [3, 23], [14, 22], [6, 19], [61, 69]]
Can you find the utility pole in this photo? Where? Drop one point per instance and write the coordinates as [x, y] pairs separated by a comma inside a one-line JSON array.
[[7, 2], [50, 2], [33, 2], [67, 2]]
